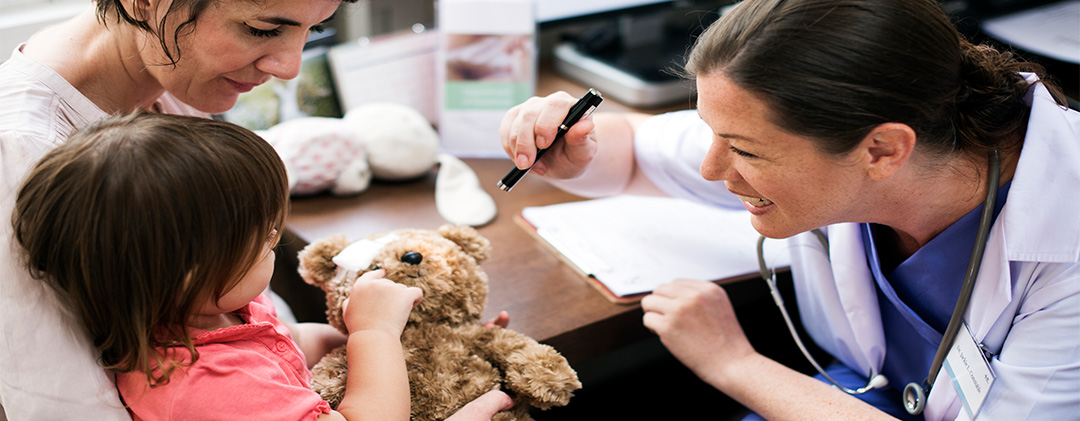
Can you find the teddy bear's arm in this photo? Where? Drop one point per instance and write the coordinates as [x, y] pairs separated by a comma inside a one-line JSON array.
[[534, 372]]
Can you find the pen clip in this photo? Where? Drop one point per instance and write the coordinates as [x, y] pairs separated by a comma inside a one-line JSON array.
[[582, 108], [589, 111]]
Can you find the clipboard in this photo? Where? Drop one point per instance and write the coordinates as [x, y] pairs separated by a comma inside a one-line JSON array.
[[589, 278], [735, 254]]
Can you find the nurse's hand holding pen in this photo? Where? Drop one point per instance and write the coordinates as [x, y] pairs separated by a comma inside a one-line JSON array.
[[534, 123], [595, 158]]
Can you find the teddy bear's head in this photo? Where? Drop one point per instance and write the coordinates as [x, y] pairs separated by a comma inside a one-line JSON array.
[[444, 264]]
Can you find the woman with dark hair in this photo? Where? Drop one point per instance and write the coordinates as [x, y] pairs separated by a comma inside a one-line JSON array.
[[940, 175], [188, 57]]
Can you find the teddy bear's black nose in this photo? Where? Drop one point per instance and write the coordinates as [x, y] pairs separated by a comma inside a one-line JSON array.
[[412, 258]]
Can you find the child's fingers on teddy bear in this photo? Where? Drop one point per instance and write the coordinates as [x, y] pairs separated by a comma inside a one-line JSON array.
[[377, 277], [379, 303], [380, 285], [371, 274]]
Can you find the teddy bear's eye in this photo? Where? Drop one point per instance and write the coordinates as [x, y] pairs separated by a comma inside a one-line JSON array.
[[412, 258]]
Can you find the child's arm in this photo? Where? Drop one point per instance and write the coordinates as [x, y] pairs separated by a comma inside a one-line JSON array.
[[378, 385], [315, 339]]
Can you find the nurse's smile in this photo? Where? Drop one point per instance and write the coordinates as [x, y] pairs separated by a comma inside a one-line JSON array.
[[756, 205]]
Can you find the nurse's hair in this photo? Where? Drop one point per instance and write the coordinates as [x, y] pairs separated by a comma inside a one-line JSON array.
[[138, 220], [117, 11], [832, 70]]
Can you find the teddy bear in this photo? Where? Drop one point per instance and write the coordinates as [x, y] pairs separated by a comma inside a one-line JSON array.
[[451, 356]]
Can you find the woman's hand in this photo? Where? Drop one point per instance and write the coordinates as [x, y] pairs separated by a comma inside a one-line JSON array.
[[501, 320], [379, 303], [534, 123], [696, 322], [484, 407]]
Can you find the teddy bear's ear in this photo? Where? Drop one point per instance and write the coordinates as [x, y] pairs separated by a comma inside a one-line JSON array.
[[465, 236], [316, 264]]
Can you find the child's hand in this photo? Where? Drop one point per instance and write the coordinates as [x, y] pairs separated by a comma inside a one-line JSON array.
[[379, 303]]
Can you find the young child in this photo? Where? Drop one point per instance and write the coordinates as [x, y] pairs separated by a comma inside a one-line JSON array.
[[158, 230]]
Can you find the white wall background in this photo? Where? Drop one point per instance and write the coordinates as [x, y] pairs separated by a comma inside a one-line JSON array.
[[21, 18]]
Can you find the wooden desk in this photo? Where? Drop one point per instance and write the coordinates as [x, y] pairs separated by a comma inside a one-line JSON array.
[[546, 299]]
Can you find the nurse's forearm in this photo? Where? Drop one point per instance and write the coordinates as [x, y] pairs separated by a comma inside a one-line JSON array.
[[777, 392], [613, 170]]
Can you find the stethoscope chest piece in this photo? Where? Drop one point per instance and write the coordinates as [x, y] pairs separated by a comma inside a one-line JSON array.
[[914, 398]]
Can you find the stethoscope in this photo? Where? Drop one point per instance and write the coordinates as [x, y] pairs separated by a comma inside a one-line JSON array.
[[914, 395]]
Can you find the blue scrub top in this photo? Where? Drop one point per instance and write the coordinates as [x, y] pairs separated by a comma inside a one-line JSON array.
[[917, 298]]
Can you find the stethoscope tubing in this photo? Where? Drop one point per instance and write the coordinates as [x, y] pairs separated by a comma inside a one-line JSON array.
[[915, 404], [770, 278]]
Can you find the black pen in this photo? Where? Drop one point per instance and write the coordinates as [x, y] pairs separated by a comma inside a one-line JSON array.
[[580, 110]]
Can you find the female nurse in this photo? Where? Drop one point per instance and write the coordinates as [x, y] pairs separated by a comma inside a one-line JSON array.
[[191, 57], [875, 121]]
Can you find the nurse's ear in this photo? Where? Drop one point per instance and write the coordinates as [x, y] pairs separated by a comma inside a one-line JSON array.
[[886, 148]]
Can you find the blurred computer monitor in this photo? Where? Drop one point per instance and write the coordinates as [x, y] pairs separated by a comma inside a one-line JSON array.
[[630, 48], [557, 12]]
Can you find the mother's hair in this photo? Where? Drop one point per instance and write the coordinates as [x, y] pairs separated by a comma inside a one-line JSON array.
[[832, 70], [193, 9]]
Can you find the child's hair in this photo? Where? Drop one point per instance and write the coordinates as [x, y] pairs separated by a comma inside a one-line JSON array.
[[139, 219]]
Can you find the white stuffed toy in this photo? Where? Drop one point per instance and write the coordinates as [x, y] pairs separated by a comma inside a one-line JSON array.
[[382, 141]]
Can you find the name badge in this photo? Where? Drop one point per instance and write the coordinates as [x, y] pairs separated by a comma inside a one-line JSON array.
[[969, 370]]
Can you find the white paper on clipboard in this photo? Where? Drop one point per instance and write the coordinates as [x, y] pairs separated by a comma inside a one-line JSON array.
[[633, 244]]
